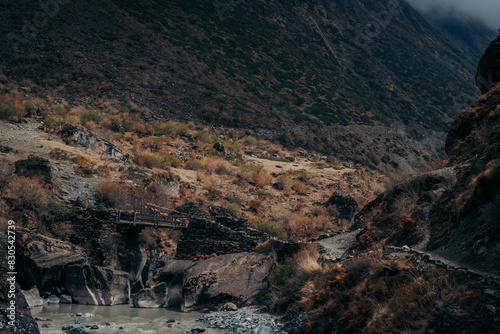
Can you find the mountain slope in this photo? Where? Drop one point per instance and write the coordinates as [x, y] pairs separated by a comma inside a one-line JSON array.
[[294, 70], [452, 212]]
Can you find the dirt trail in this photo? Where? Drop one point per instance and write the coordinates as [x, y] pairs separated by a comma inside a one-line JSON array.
[[336, 246]]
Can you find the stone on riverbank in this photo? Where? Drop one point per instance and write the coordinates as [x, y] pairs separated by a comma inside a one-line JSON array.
[[238, 278]]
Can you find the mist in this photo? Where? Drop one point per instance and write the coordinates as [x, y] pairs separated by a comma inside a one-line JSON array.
[[484, 11]]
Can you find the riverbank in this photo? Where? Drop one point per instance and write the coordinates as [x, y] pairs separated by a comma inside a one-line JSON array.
[[244, 322]]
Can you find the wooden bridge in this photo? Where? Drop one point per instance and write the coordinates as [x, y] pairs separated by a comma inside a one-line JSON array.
[[129, 221]]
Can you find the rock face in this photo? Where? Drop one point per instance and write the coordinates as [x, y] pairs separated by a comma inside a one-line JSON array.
[[154, 297], [488, 71], [224, 236], [452, 212], [23, 322], [237, 278], [78, 135], [346, 205], [41, 260], [94, 285]]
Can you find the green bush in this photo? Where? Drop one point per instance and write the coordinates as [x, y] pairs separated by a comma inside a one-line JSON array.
[[90, 116], [234, 209], [206, 137], [6, 112], [60, 211], [172, 161], [148, 160], [29, 108], [271, 227], [279, 159]]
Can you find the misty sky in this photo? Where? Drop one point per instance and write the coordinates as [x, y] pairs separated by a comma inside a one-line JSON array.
[[485, 11]]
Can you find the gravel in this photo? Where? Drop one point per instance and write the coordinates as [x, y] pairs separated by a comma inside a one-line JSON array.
[[244, 322]]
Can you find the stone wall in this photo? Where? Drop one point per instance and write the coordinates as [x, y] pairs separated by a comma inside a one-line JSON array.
[[223, 236]]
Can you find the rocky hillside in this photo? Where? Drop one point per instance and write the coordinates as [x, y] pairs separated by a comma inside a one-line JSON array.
[[452, 212], [309, 73]]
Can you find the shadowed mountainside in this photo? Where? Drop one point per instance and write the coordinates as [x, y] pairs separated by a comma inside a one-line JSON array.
[[310, 73], [452, 212]]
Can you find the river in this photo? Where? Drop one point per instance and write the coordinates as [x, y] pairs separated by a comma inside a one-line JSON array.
[[132, 320]]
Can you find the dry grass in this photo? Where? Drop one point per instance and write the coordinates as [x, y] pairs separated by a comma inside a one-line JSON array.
[[306, 260], [29, 193], [404, 204], [259, 178]]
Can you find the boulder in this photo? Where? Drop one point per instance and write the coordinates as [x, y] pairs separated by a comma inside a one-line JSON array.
[[66, 299], [80, 136], [239, 278], [42, 260], [95, 285], [263, 330], [229, 307], [79, 330], [32, 297], [173, 271], [346, 205], [218, 146], [52, 299], [154, 297]]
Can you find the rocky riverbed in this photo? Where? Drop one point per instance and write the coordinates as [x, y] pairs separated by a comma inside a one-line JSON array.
[[244, 322]]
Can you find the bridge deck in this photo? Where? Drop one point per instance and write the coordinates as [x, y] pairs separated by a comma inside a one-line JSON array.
[[143, 220]]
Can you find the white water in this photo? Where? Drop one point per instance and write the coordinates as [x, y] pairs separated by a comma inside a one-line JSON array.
[[133, 320]]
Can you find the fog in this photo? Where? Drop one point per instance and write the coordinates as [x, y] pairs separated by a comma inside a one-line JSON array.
[[485, 11]]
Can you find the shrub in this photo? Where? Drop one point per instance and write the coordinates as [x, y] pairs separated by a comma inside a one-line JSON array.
[[278, 159], [233, 208], [206, 137], [271, 227], [148, 160], [135, 127], [6, 112], [306, 260], [193, 165], [29, 108], [59, 210], [283, 182], [170, 160], [250, 141], [110, 194], [222, 169], [255, 175], [90, 116], [30, 194], [255, 205], [81, 160], [299, 187]]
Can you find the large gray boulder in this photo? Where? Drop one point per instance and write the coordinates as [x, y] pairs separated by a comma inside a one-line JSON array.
[[239, 278], [41, 260], [154, 297], [32, 297], [78, 135], [94, 285]]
